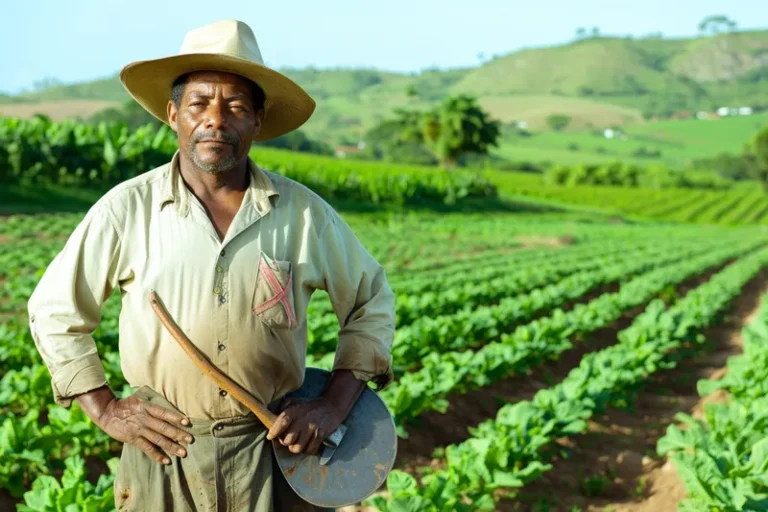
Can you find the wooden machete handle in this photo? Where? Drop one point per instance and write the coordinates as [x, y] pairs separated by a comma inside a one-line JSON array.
[[224, 381]]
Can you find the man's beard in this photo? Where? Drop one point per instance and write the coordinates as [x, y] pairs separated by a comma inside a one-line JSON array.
[[229, 162]]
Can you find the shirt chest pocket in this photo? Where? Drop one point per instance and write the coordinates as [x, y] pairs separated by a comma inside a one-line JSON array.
[[273, 299]]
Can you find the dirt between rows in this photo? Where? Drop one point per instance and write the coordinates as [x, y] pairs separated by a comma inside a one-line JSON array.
[[614, 467], [436, 430]]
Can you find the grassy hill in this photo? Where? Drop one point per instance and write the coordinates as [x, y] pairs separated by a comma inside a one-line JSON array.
[[678, 141], [599, 81]]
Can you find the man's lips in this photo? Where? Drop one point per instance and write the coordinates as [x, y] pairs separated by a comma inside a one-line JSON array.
[[214, 141]]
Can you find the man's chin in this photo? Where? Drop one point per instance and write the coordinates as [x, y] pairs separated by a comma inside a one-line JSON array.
[[214, 165]]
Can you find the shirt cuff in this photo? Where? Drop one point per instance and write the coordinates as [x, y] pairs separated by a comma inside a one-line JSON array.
[[78, 377], [367, 359]]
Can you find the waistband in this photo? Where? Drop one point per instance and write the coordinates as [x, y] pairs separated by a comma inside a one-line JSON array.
[[223, 427]]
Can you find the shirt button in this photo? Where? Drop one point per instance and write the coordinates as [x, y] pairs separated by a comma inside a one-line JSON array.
[[222, 253], [219, 427], [223, 393], [217, 290], [222, 299], [222, 347], [218, 268]]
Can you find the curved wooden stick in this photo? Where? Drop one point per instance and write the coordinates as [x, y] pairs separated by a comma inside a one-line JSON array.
[[225, 382]]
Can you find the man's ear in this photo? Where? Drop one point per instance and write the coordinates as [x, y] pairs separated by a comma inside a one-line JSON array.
[[173, 112]]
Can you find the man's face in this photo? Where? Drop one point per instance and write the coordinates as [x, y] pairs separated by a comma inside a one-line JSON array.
[[216, 120]]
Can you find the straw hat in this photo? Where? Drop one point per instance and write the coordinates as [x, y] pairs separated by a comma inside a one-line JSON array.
[[228, 46]]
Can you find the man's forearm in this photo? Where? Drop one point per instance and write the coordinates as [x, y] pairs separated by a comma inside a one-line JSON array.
[[94, 403], [343, 390]]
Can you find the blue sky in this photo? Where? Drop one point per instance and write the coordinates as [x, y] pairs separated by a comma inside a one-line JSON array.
[[79, 40]]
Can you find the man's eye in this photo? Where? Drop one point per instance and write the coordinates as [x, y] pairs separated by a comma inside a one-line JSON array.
[[195, 104], [238, 107]]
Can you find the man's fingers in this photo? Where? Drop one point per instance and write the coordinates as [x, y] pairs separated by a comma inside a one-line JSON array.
[[165, 414], [290, 437], [315, 442], [301, 439], [151, 450], [279, 426], [175, 433], [163, 442]]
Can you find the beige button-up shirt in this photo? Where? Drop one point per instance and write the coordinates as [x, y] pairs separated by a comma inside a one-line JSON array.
[[241, 300]]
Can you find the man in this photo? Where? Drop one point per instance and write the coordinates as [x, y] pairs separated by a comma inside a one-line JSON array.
[[235, 253]]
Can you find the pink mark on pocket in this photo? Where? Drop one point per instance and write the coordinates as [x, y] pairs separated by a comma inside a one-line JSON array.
[[280, 293]]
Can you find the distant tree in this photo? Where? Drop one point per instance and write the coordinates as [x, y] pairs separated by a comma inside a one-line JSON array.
[[385, 142], [411, 91], [558, 122], [595, 32], [455, 127], [717, 24], [581, 33], [757, 153]]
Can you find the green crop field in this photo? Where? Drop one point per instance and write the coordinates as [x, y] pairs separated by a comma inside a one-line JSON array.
[[482, 301]]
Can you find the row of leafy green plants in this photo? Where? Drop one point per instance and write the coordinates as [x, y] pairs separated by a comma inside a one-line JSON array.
[[39, 151], [722, 457], [514, 449]]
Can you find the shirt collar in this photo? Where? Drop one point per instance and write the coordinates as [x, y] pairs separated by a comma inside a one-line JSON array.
[[260, 189]]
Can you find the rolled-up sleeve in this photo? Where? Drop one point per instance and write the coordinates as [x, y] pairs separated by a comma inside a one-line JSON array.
[[65, 307], [363, 301]]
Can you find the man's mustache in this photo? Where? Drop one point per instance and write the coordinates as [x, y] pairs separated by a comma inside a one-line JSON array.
[[228, 138]]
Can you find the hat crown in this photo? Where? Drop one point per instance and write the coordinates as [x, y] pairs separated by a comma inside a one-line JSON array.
[[231, 37]]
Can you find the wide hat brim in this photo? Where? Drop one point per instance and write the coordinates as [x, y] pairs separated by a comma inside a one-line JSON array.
[[287, 105]]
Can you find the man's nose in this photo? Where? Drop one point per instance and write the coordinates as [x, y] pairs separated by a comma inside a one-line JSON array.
[[216, 116]]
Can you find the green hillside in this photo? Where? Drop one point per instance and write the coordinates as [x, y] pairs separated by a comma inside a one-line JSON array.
[[103, 89], [677, 142], [653, 74], [599, 81], [600, 67]]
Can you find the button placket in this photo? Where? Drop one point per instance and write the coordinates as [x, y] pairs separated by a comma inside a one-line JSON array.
[[221, 323]]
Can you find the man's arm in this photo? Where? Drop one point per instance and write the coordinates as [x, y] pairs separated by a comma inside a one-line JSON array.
[[363, 302], [365, 306], [65, 307], [64, 310]]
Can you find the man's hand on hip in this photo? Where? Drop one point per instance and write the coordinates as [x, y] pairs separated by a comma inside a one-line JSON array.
[[304, 425], [132, 420]]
